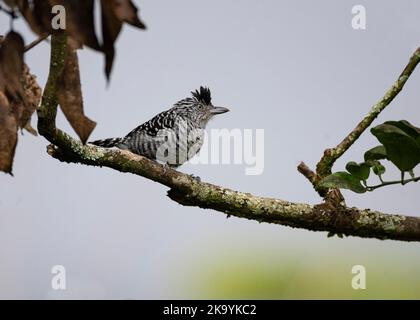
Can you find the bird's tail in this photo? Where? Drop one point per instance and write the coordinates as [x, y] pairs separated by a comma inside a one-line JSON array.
[[108, 143]]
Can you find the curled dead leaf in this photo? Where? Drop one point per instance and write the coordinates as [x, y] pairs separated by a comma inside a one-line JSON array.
[[12, 96], [69, 94], [33, 93], [19, 97], [8, 135], [80, 23], [11, 65], [126, 11], [37, 14], [114, 13]]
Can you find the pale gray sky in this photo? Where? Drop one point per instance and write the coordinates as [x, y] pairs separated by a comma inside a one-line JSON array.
[[294, 68]]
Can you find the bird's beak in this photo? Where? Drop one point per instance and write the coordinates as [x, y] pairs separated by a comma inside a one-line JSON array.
[[219, 110]]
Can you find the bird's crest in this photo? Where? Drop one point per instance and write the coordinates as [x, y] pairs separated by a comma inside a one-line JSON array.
[[203, 95]]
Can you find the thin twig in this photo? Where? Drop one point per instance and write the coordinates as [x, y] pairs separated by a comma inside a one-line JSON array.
[[388, 183], [12, 13], [36, 42]]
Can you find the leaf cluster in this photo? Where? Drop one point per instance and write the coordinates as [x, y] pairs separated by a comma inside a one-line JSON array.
[[400, 145], [20, 94]]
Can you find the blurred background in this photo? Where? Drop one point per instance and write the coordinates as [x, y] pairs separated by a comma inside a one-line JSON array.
[[296, 69]]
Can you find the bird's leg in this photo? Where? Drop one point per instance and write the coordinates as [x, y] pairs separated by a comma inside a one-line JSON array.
[[165, 168]]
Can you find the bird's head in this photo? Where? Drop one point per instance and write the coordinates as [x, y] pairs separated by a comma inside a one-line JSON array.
[[199, 108]]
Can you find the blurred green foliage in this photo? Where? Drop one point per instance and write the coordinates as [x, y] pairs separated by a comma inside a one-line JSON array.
[[298, 277]]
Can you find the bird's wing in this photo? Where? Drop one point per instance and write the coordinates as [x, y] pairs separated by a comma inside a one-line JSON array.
[[164, 120]]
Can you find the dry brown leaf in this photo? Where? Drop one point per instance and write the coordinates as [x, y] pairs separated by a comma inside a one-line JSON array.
[[126, 11], [80, 23], [8, 135], [11, 65], [111, 27], [69, 94], [114, 13], [38, 15], [79, 19], [19, 97], [11, 3], [20, 87], [33, 93]]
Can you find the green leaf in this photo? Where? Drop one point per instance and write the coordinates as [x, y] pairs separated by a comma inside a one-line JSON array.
[[343, 180], [401, 148], [378, 168], [361, 170], [377, 153], [407, 127]]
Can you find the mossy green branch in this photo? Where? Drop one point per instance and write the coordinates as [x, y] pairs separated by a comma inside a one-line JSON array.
[[47, 111], [188, 191]]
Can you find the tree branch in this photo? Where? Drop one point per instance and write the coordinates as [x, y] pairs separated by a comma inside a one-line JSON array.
[[47, 111], [187, 191], [324, 166]]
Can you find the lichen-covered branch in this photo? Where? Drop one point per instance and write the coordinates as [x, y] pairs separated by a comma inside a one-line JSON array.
[[186, 190], [324, 166]]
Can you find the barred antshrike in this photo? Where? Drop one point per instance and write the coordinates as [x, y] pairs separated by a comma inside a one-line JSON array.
[[173, 136]]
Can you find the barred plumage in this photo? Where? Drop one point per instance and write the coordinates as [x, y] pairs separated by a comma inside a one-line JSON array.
[[108, 143], [173, 136]]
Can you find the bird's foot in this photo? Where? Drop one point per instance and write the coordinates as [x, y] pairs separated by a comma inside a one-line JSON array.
[[165, 168], [196, 178]]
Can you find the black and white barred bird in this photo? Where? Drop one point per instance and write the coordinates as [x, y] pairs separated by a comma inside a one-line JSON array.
[[173, 136]]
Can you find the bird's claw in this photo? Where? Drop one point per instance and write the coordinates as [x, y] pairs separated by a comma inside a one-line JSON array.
[[196, 178], [165, 168]]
